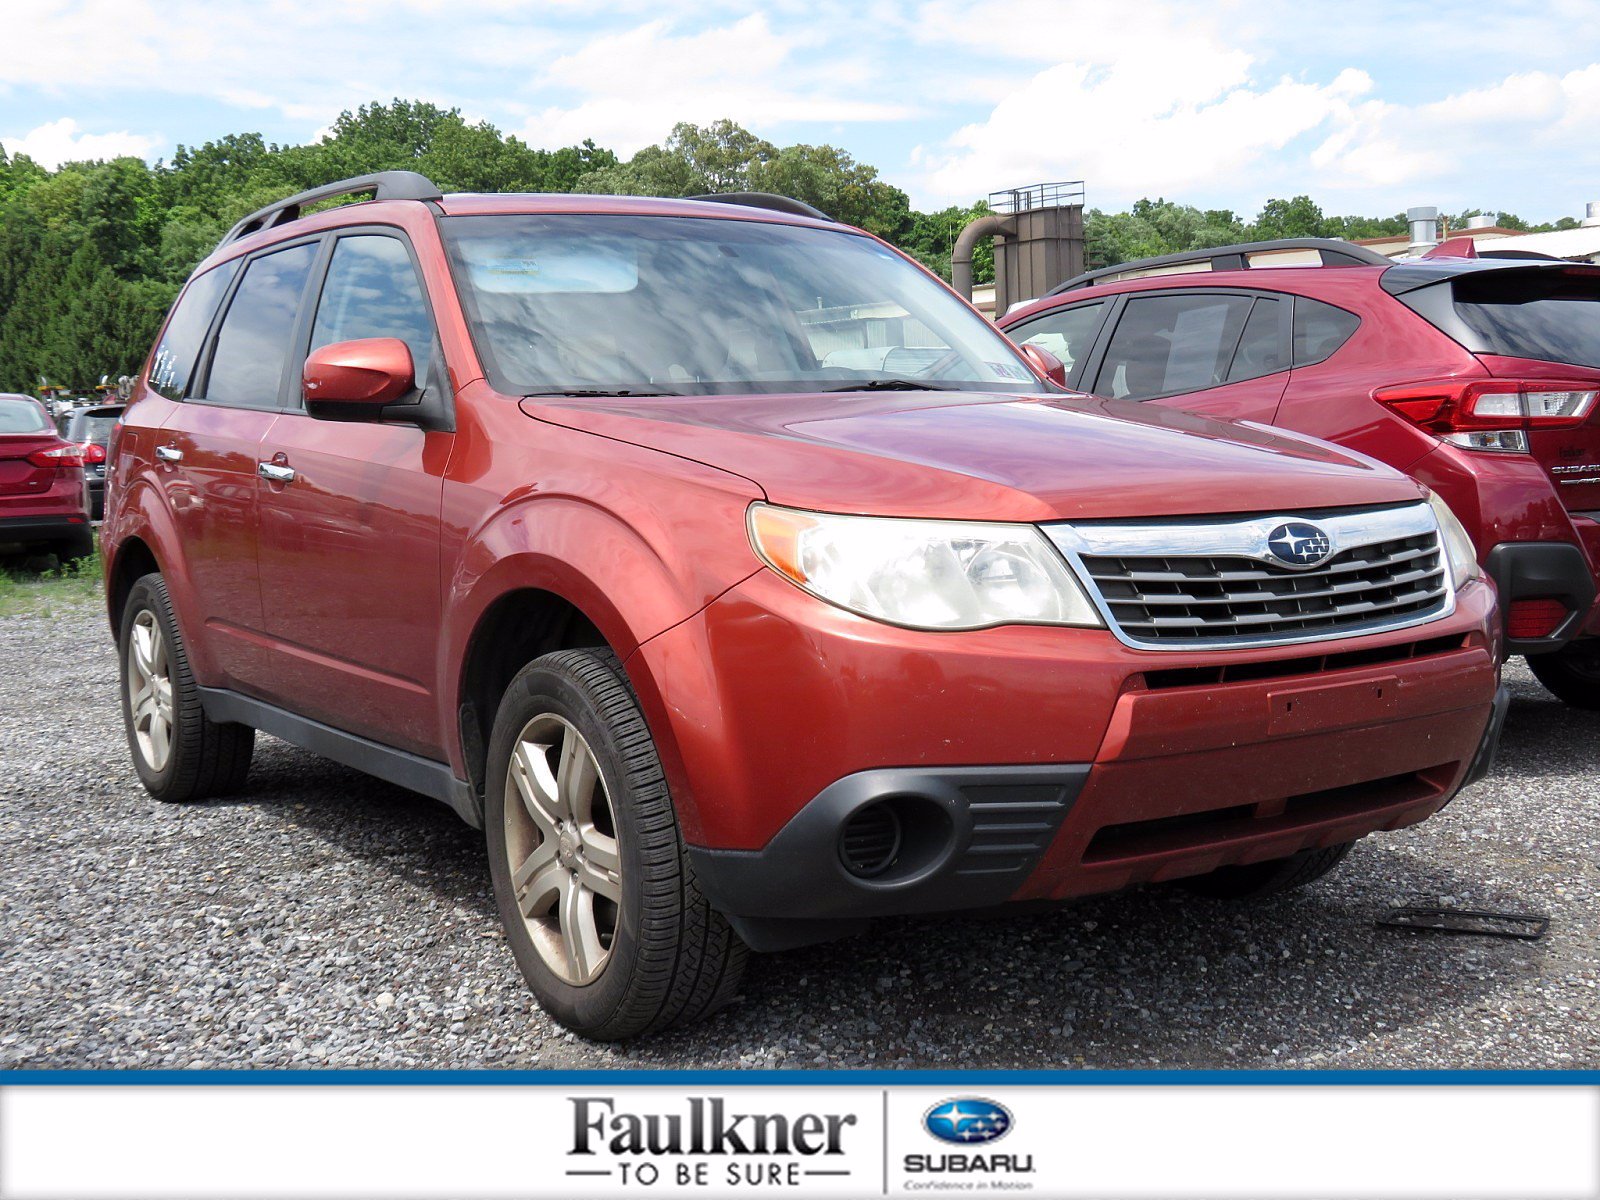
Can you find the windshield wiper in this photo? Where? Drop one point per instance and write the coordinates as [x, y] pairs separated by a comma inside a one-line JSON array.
[[892, 385], [592, 393]]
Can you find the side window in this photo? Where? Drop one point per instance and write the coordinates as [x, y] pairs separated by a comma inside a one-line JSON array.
[[372, 291], [1319, 330], [1065, 332], [253, 343], [1261, 349], [173, 365], [1167, 344]]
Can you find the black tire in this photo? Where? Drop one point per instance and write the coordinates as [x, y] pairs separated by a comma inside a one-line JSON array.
[[672, 960], [75, 548], [1572, 673], [204, 758], [1258, 881]]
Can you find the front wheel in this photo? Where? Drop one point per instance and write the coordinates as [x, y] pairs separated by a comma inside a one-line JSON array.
[[1572, 673], [1259, 881], [594, 888]]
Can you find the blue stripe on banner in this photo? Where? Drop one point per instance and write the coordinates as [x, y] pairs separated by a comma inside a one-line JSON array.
[[488, 1077]]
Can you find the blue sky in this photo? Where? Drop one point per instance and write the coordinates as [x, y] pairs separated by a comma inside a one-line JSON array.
[[1369, 107]]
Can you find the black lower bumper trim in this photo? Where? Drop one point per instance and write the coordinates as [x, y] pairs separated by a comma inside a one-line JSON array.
[[974, 834], [1483, 760], [1543, 570], [52, 527]]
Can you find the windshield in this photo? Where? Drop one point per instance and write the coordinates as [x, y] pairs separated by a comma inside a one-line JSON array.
[[22, 416], [695, 306]]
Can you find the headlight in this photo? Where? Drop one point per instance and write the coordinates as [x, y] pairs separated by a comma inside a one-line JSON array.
[[1457, 543], [924, 574]]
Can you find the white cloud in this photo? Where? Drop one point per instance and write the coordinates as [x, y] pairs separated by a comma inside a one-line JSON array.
[[635, 85], [56, 142]]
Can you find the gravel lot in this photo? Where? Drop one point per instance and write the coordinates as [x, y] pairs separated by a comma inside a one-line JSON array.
[[324, 918]]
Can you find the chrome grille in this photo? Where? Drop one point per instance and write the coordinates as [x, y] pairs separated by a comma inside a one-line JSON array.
[[1189, 584]]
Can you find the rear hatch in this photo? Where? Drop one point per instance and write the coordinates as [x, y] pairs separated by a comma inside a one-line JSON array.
[[1535, 325], [24, 430]]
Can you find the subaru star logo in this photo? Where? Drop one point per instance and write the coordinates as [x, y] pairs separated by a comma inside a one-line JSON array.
[[968, 1121], [1299, 544]]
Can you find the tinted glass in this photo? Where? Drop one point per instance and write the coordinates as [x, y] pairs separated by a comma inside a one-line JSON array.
[[253, 343], [1319, 330], [1065, 332], [22, 416], [1549, 315], [696, 305], [372, 291], [94, 428], [173, 365], [1168, 344], [1261, 349]]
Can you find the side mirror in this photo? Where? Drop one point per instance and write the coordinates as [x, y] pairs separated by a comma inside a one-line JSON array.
[[353, 381], [1048, 365]]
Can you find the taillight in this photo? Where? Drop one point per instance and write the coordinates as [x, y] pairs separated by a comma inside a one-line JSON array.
[[1526, 619], [1492, 414], [93, 453], [58, 456]]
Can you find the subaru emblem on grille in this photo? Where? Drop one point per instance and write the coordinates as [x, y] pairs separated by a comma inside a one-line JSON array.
[[1299, 544]]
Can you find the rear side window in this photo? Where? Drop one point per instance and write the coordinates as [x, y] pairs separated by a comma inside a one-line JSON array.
[[1261, 349], [23, 416], [1543, 314], [1065, 332], [1319, 330], [373, 292], [173, 365], [1168, 344], [253, 343]]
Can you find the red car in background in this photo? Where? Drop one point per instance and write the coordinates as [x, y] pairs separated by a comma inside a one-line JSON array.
[[1477, 376], [44, 501]]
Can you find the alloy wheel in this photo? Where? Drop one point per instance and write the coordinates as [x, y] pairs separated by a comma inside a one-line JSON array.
[[561, 843], [150, 690]]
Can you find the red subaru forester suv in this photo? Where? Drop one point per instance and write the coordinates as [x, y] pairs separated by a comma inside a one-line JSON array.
[[1476, 375], [744, 584]]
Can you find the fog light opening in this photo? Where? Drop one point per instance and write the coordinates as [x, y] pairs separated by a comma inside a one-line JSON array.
[[869, 842]]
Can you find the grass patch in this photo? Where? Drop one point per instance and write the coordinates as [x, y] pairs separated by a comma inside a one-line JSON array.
[[39, 585]]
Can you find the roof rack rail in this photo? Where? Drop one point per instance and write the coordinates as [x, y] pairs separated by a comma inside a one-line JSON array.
[[767, 200], [384, 185], [1334, 251]]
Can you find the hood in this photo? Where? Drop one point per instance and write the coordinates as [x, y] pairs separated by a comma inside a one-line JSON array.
[[983, 456]]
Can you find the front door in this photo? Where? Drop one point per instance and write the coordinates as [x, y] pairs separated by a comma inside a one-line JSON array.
[[349, 546]]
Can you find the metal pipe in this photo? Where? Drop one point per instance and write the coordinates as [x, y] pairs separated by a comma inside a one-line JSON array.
[[1424, 223], [961, 255]]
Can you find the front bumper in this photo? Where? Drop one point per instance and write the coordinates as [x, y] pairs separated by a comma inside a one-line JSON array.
[[785, 715]]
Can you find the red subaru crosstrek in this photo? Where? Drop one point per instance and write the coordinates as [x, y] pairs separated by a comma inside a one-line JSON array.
[[44, 502], [744, 584], [1477, 376]]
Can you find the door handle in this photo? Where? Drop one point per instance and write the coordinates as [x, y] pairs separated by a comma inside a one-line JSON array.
[[276, 472], [169, 454]]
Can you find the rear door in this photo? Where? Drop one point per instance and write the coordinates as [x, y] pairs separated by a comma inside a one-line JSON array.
[[206, 453], [1221, 353], [350, 567]]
